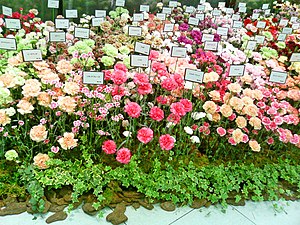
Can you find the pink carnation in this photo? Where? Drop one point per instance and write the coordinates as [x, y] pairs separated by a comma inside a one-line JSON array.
[[118, 77], [178, 108], [187, 104], [109, 147], [144, 88], [169, 84], [120, 66], [141, 78], [221, 131], [123, 155], [153, 55], [145, 135], [173, 118], [156, 113], [133, 109], [166, 142]]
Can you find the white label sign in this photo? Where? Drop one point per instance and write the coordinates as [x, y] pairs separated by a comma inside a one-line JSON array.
[[71, 13], [96, 22], [6, 11], [134, 31], [237, 24], [255, 16], [295, 57], [221, 4], [8, 43], [137, 17], [295, 26], [93, 77], [202, 1], [207, 37], [139, 61], [223, 31], [100, 13], [283, 22], [166, 10], [32, 55], [242, 4], [236, 17], [216, 12], [169, 27], [193, 21], [265, 6], [200, 16], [12, 23], [62, 23], [201, 7], [261, 24], [173, 4], [251, 45], [53, 4], [281, 37], [293, 19], [120, 3], [194, 75], [242, 9], [161, 16], [81, 32], [267, 12], [142, 48], [144, 8], [178, 52], [259, 39], [211, 45], [229, 11], [189, 9], [278, 77], [57, 36], [236, 70], [287, 30]]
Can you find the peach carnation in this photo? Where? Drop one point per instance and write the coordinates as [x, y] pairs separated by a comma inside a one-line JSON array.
[[236, 103], [237, 135], [234, 87], [226, 110], [251, 110], [255, 123], [31, 88], [25, 107], [241, 122], [4, 118], [40, 160], [254, 146], [71, 88], [67, 104], [38, 133], [44, 99], [64, 66], [210, 107], [68, 141], [210, 77]]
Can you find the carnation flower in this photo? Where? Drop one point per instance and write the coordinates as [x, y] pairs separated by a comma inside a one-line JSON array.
[[178, 109], [195, 139], [188, 130], [68, 141], [123, 155], [156, 113], [198, 115], [133, 109], [40, 160], [109, 147], [166, 142], [11, 155], [4, 118], [254, 145], [38, 133], [221, 131], [145, 135], [118, 77]]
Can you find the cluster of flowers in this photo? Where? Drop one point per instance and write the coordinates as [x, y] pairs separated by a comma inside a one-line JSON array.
[[46, 103]]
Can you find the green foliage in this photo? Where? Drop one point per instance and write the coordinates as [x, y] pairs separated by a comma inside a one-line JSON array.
[[180, 183]]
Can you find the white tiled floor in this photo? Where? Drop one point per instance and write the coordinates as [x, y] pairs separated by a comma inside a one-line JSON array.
[[261, 213]]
